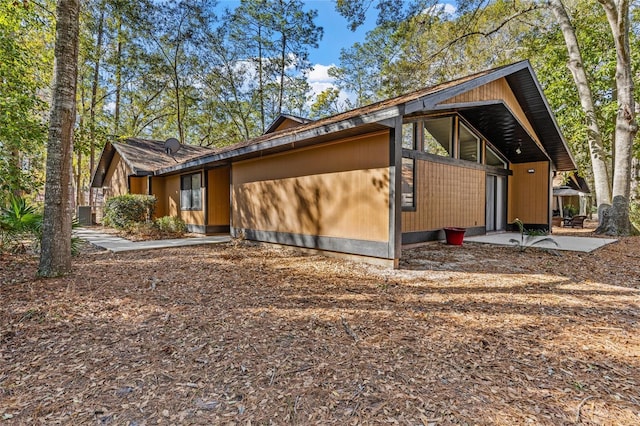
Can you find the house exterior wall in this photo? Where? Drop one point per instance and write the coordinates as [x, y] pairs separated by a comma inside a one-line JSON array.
[[446, 195], [167, 192], [333, 197], [286, 124], [497, 90], [218, 194], [139, 185], [117, 177], [529, 193]]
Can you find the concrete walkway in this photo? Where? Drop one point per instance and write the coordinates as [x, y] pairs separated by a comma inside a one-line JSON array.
[[583, 244], [117, 244]]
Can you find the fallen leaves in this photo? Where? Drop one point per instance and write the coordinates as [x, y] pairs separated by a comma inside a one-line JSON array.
[[247, 334]]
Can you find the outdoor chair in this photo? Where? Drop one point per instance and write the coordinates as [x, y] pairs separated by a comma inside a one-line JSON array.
[[577, 221]]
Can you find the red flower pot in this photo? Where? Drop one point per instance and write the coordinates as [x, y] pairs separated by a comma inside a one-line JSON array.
[[454, 235]]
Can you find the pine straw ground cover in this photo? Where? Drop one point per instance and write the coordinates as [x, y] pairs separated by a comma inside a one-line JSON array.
[[247, 334]]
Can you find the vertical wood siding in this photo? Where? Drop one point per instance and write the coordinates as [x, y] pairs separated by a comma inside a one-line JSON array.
[[218, 196], [139, 185], [529, 193], [446, 195], [158, 189], [497, 90], [338, 190], [116, 177]]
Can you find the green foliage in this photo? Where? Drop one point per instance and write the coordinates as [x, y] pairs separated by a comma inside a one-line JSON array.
[[124, 211], [529, 237], [170, 225], [18, 221], [25, 65], [634, 214]]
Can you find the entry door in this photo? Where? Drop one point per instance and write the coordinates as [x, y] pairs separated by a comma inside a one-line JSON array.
[[496, 217]]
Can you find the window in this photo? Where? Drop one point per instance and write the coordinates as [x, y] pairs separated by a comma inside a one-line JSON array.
[[492, 159], [408, 136], [190, 193], [438, 135], [408, 189], [469, 145]]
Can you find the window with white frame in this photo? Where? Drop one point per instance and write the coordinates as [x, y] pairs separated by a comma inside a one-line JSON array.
[[190, 192], [408, 188], [437, 136], [492, 158], [469, 144]]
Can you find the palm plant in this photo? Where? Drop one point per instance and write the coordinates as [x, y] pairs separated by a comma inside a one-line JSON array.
[[18, 219], [529, 238]]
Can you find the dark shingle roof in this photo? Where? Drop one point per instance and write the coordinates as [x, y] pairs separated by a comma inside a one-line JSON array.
[[144, 157]]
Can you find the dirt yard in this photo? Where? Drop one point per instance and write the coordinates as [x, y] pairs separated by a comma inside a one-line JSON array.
[[246, 334]]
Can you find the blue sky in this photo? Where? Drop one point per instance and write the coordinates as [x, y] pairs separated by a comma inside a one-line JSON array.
[[336, 36]]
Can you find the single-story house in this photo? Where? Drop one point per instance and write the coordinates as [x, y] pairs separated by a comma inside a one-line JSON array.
[[477, 152]]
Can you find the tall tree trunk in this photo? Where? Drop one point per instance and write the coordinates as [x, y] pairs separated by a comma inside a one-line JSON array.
[[55, 255], [283, 67], [94, 98], [116, 110], [599, 161], [616, 219], [261, 80]]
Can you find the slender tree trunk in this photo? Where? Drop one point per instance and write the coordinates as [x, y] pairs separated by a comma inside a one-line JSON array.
[[261, 80], [616, 220], [116, 110], [283, 66], [55, 255], [94, 97], [599, 161]]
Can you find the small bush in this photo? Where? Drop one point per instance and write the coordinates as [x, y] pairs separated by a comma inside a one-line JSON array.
[[19, 220], [124, 211], [634, 213], [170, 225]]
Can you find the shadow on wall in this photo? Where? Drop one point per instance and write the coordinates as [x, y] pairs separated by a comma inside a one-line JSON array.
[[351, 204]]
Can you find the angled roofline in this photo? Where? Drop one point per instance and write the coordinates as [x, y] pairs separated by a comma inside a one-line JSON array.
[[281, 118], [376, 116]]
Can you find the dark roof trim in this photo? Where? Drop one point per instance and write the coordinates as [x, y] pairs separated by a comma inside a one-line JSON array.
[[103, 164], [431, 101], [281, 118], [367, 122]]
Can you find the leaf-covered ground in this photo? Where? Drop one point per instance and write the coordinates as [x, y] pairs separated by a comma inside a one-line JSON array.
[[248, 334]]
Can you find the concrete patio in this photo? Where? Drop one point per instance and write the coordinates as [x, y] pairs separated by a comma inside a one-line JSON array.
[[569, 243], [117, 244]]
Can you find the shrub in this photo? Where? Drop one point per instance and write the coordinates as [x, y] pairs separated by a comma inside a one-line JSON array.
[[18, 220], [123, 211], [634, 213], [170, 225]]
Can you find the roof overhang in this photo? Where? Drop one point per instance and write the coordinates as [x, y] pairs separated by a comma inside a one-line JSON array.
[[102, 167], [528, 93], [368, 123]]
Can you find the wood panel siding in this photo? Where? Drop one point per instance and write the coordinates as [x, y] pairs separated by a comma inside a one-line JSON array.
[[363, 152], [496, 90], [218, 196], [446, 195], [338, 190], [351, 205], [139, 185], [287, 123], [528, 198], [159, 190], [116, 178]]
